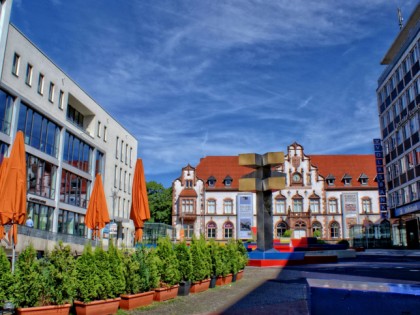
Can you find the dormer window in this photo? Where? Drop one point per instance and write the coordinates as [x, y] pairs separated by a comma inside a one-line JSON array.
[[363, 179], [227, 181], [211, 181], [330, 179], [347, 179]]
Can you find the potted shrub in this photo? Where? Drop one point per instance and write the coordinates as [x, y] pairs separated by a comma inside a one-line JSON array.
[[94, 293], [216, 263], [6, 278], [168, 270], [201, 265], [225, 276], [141, 277], [233, 255], [184, 257], [44, 286], [243, 258]]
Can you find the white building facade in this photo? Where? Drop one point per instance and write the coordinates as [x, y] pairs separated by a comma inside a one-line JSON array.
[[324, 193], [69, 138]]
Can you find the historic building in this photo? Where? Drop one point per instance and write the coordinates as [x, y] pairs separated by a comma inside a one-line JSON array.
[[398, 97], [68, 139], [324, 196]]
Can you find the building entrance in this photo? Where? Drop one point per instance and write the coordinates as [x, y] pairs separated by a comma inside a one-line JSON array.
[[412, 228]]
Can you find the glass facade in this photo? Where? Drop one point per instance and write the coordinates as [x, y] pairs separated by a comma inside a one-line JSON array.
[[42, 215], [41, 177], [6, 110], [75, 190], [77, 153], [71, 223]]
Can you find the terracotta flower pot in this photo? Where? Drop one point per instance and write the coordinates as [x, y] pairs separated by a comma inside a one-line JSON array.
[[100, 307], [163, 294], [132, 301], [224, 280], [45, 310], [200, 286], [240, 275]]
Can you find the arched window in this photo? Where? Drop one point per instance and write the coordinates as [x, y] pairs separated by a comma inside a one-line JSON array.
[[335, 230], [300, 225], [281, 228], [211, 206], [228, 206], [228, 230], [317, 229], [211, 229]]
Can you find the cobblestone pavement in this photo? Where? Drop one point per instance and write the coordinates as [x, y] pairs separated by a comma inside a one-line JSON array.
[[260, 291]]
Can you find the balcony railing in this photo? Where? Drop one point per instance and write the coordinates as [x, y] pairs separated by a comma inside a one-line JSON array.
[[188, 216], [299, 214]]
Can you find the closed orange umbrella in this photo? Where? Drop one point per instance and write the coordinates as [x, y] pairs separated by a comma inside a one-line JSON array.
[[97, 215], [140, 204], [13, 187]]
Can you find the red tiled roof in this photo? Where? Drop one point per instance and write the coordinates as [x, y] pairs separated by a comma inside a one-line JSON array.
[[188, 193], [220, 167], [353, 165]]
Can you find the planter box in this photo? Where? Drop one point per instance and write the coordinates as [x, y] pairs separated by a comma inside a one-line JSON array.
[[240, 275], [224, 280], [200, 286], [163, 294], [184, 288], [45, 310], [132, 301], [100, 307]]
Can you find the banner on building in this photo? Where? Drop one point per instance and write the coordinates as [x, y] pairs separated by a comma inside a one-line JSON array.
[[245, 216]]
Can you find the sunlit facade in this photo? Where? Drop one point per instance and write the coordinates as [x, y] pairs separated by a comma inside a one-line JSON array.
[[69, 138]]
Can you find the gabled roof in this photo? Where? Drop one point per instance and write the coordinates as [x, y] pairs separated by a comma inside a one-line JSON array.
[[220, 167], [351, 165]]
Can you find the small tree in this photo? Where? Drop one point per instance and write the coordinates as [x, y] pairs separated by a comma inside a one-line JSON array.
[[87, 274], [168, 267], [102, 262], [116, 271], [226, 263], [131, 274], [200, 259], [6, 278], [216, 266], [233, 256], [184, 256], [242, 254], [148, 271]]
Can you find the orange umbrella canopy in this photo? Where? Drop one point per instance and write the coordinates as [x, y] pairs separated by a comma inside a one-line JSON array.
[[97, 215], [13, 186], [140, 204]]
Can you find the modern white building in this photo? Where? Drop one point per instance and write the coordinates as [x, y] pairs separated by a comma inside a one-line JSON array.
[[398, 97], [325, 193], [69, 139]]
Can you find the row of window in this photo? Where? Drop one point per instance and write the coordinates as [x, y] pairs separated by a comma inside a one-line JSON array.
[[404, 195], [402, 165], [122, 179], [403, 68], [408, 129], [123, 152], [41, 80]]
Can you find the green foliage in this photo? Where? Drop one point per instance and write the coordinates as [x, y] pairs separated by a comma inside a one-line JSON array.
[[102, 262], [132, 276], [226, 265], [60, 275], [88, 278], [200, 259], [216, 267], [28, 280], [317, 233], [148, 271], [160, 202], [233, 255], [116, 270], [184, 256], [287, 233], [6, 278], [168, 266], [242, 255]]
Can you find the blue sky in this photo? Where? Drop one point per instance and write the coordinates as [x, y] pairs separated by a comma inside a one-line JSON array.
[[195, 78]]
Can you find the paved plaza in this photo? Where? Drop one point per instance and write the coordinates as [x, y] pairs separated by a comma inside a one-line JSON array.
[[276, 290]]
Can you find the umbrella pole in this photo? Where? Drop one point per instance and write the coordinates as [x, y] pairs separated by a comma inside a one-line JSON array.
[[13, 251]]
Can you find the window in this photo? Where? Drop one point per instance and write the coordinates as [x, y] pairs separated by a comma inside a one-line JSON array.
[[334, 230], [317, 229], [41, 84], [211, 206], [314, 205], [131, 156], [188, 230], [211, 181], [120, 179], [281, 228], [330, 181], [122, 151], [41, 215], [188, 183], [28, 78], [74, 116], [187, 205], [280, 205], [211, 229], [363, 179], [105, 133], [332, 205], [228, 206], [61, 100], [71, 223], [16, 64], [129, 183], [74, 189], [228, 230], [99, 163], [366, 205], [77, 152], [98, 132], [297, 204], [125, 181], [126, 154], [347, 180], [41, 177], [115, 176], [51, 92], [116, 148], [6, 110]]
